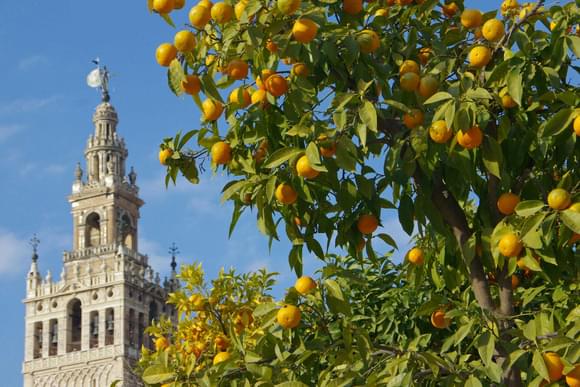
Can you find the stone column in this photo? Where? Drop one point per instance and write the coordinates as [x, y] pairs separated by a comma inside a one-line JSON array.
[[45, 337], [29, 342], [85, 329], [111, 225], [102, 327], [62, 335]]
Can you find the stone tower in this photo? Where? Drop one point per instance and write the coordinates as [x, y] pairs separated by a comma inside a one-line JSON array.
[[86, 329]]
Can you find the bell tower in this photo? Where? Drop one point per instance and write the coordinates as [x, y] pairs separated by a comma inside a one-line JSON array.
[[87, 328]]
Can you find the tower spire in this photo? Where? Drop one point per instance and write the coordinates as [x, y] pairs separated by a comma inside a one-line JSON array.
[[34, 242], [173, 250]]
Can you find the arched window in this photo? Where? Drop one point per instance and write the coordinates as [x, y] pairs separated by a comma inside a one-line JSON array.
[[128, 232], [94, 330], [37, 345], [53, 343], [131, 328], [110, 326], [74, 328], [93, 230], [96, 170]]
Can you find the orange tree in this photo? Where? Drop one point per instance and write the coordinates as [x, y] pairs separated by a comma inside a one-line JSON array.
[[333, 114]]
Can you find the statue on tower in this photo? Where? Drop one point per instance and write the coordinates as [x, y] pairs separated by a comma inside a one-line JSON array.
[[99, 78]]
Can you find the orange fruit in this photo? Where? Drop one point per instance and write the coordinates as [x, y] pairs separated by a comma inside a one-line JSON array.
[[510, 245], [163, 6], [509, 5], [285, 194], [300, 70], [165, 54], [576, 124], [575, 207], [260, 97], [288, 7], [297, 221], [507, 102], [479, 56], [470, 139], [184, 41], [304, 30], [515, 281], [220, 357], [559, 199], [438, 319], [206, 3], [478, 34], [304, 169], [367, 224], [237, 68], [493, 30], [410, 82], [191, 84], [450, 9], [471, 18], [235, 97], [178, 4], [165, 154], [424, 55], [327, 148], [573, 377], [261, 80], [416, 256], [352, 7], [428, 86], [305, 285], [288, 316], [413, 119], [554, 365], [211, 109], [276, 85], [161, 343], [368, 41], [239, 9], [221, 153], [409, 66], [199, 16], [507, 202], [221, 342], [271, 46], [222, 12], [439, 132]]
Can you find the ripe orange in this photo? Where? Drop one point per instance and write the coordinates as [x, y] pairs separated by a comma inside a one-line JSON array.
[[237, 68], [305, 285], [260, 98], [285, 194], [424, 55], [352, 7], [575, 207], [211, 109], [235, 97], [199, 16], [288, 7], [428, 86], [163, 6], [576, 125], [450, 9], [510, 245], [367, 224], [161, 343], [304, 30], [165, 154], [184, 41], [206, 3], [221, 153], [276, 85], [304, 169], [221, 342], [191, 84], [515, 281], [368, 41], [493, 30], [288, 316], [409, 66], [165, 53], [509, 5], [264, 75], [220, 357], [507, 102], [271, 46], [178, 4], [410, 82], [416, 256], [479, 56], [554, 365], [573, 377], [439, 132], [507, 202], [559, 199], [470, 139], [297, 221], [438, 319], [300, 70], [471, 18], [222, 12], [413, 119], [327, 148], [478, 34]]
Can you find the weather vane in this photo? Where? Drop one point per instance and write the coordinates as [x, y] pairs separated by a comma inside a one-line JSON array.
[[34, 242], [173, 250], [99, 78]]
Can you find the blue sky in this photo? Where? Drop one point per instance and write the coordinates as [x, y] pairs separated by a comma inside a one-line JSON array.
[[45, 119]]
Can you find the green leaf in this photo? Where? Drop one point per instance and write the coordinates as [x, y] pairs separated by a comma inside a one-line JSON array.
[[486, 346], [313, 155], [157, 374], [388, 240], [398, 105], [529, 207], [472, 381], [539, 365], [335, 299], [264, 309], [406, 214], [558, 123], [281, 155], [209, 88], [571, 219], [291, 384], [368, 115], [514, 81], [438, 97], [492, 156], [167, 19], [175, 76]]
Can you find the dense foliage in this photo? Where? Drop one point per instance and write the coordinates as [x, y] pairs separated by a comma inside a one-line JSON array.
[[462, 124]]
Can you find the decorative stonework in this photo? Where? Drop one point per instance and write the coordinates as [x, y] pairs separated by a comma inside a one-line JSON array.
[[86, 328]]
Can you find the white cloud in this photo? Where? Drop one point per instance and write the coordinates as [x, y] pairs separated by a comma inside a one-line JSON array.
[[31, 62], [25, 105], [14, 253], [7, 131]]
